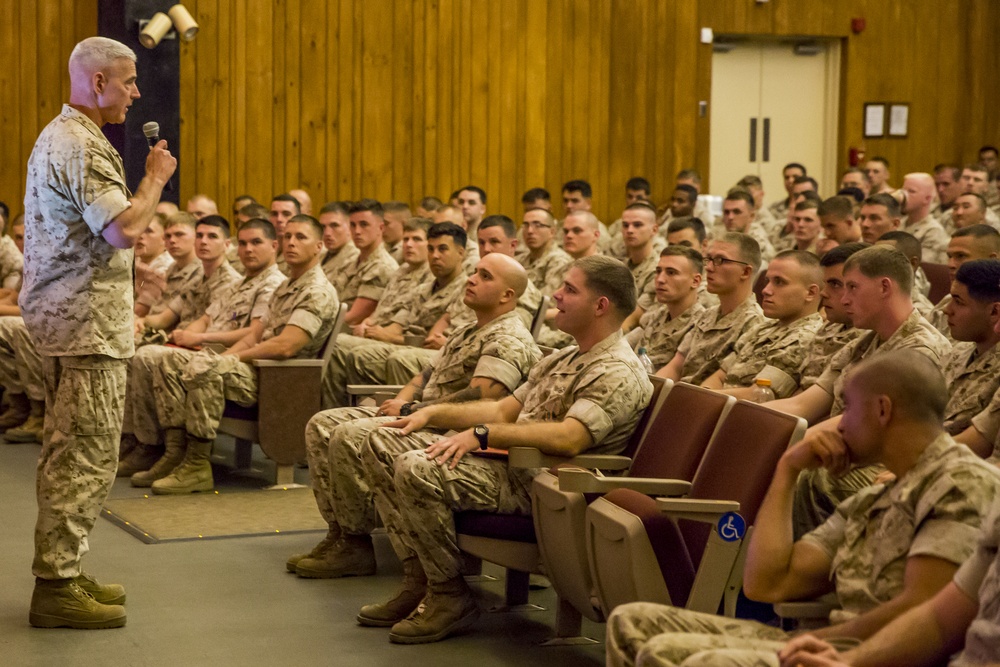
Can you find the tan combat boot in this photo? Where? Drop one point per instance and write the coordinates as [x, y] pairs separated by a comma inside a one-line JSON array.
[[448, 608], [62, 603], [17, 412], [33, 428], [387, 614], [139, 459], [350, 556], [176, 447], [193, 474], [332, 535], [103, 593]]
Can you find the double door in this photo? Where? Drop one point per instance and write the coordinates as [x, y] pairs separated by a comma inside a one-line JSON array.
[[773, 103]]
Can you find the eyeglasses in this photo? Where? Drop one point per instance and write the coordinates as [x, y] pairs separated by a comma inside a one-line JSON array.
[[536, 225], [717, 261]]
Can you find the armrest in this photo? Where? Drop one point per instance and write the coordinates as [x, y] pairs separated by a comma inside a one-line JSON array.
[[287, 363], [706, 511], [529, 457], [799, 609], [585, 481], [371, 389]]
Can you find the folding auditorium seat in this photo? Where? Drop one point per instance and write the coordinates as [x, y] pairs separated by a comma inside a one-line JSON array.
[[509, 540], [690, 551], [288, 395], [673, 449]]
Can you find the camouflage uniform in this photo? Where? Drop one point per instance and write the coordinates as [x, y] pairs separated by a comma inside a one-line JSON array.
[[772, 351], [191, 388], [712, 338], [974, 386], [829, 339], [818, 493], [939, 319], [190, 305], [11, 264], [235, 309], [552, 337], [76, 301], [155, 272], [921, 283], [20, 363], [460, 315], [605, 389], [178, 279], [547, 271], [367, 279], [933, 239], [979, 578], [934, 510], [502, 350], [395, 250], [660, 334], [415, 307], [779, 209], [921, 303], [644, 274], [337, 263]]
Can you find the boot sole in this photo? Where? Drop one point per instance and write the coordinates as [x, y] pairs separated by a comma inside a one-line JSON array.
[[21, 439], [459, 625], [369, 622], [48, 621], [180, 490], [337, 574], [120, 600]]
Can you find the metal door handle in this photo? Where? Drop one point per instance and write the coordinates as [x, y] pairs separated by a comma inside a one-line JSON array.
[[753, 139], [767, 140]]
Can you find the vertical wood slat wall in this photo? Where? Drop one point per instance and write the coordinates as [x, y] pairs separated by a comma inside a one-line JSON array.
[[402, 98]]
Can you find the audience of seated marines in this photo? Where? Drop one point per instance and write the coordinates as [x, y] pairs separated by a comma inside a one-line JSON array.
[[889, 502]]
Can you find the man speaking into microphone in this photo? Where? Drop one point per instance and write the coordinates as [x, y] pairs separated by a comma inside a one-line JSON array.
[[80, 222]]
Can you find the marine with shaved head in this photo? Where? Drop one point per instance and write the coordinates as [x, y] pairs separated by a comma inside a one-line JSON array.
[[487, 359]]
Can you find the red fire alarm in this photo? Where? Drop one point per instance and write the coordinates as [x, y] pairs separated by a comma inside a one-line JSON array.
[[857, 26]]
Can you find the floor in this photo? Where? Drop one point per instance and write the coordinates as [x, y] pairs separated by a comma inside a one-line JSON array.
[[230, 601]]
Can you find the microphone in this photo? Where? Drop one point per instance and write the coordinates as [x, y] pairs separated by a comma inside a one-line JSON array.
[[152, 132]]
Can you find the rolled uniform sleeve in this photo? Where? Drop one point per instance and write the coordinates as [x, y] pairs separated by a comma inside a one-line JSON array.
[[105, 194], [830, 534], [307, 320], [597, 406], [782, 384]]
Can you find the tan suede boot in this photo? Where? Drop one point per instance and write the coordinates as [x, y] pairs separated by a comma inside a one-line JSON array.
[[62, 603], [350, 556], [387, 614], [332, 535], [448, 608], [193, 474], [17, 412], [176, 447], [140, 459], [103, 593]]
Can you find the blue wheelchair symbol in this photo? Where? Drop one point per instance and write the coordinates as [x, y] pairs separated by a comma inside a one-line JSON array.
[[731, 527]]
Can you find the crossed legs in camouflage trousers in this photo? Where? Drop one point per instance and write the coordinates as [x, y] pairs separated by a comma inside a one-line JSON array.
[[416, 497], [76, 467], [20, 363], [654, 635]]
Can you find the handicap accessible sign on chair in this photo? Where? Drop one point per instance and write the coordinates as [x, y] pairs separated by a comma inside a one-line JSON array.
[[731, 527]]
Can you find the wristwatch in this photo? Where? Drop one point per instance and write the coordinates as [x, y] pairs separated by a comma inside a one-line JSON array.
[[482, 433], [406, 409]]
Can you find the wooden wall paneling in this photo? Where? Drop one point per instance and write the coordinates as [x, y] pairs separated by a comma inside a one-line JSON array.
[[402, 99], [663, 44], [643, 89], [187, 157], [598, 141], [622, 102], [27, 45], [224, 188], [432, 153], [258, 101], [281, 34], [505, 171], [377, 99], [12, 166], [536, 99], [555, 100], [209, 129], [447, 154], [418, 188], [479, 145], [237, 102], [292, 46], [315, 71], [580, 73], [513, 188]]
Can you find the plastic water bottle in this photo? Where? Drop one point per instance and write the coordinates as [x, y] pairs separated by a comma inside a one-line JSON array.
[[762, 392], [647, 363]]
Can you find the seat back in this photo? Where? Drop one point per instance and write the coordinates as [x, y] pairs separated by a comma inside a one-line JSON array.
[[661, 389], [339, 324], [679, 432], [539, 319], [739, 464], [937, 275]]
